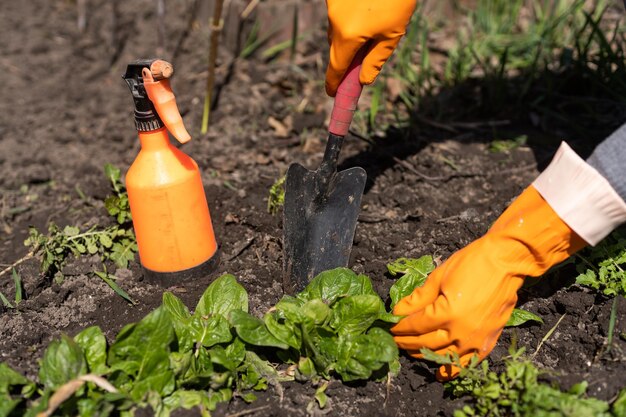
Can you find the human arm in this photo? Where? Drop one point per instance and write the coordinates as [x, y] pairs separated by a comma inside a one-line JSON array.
[[466, 302]]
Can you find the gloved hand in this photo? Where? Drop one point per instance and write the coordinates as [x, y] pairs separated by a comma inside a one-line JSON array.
[[352, 23], [465, 303]]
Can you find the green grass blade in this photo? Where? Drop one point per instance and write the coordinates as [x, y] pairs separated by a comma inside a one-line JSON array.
[[294, 33], [206, 111], [17, 279], [274, 50], [376, 99], [612, 320], [5, 301], [118, 290]]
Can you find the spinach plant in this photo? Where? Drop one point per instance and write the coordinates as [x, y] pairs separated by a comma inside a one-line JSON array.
[[337, 326], [175, 359]]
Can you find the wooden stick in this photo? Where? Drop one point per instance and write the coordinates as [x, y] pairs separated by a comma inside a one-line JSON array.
[[161, 70], [249, 8], [160, 27], [216, 28], [81, 21]]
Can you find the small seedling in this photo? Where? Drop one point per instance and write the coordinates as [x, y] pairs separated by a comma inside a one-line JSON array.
[[603, 266], [500, 146], [516, 391], [603, 269], [321, 399], [115, 243], [117, 204], [112, 243], [276, 198]]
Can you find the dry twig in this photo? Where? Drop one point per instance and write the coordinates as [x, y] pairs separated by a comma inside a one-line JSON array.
[[242, 247], [548, 335], [250, 411], [249, 8], [26, 257], [64, 392]]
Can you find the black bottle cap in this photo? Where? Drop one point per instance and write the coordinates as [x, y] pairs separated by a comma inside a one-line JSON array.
[[146, 117]]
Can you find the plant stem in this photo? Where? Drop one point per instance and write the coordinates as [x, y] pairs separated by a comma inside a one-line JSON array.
[[589, 264], [216, 29], [612, 320], [85, 234]]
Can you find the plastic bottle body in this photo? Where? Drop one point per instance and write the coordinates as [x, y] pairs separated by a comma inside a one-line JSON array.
[[170, 213]]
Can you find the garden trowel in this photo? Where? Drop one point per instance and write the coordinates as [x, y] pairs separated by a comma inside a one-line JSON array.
[[321, 207]]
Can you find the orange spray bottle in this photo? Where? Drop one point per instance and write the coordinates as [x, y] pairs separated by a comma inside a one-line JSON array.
[[170, 212]]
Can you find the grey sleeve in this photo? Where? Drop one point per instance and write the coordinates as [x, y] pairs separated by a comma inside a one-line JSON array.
[[609, 158]]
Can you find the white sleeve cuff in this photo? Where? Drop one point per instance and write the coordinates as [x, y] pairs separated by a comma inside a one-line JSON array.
[[581, 196]]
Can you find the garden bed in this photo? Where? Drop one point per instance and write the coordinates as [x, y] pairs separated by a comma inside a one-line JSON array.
[[65, 112]]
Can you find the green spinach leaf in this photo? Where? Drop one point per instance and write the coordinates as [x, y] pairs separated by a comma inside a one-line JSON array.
[[335, 283], [519, 317], [181, 320], [62, 361], [354, 315], [253, 330], [221, 297], [142, 352], [414, 273], [94, 344]]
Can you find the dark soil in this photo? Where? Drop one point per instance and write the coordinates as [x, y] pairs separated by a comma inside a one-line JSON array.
[[65, 112]]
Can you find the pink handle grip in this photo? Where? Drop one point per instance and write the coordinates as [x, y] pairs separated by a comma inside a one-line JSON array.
[[346, 99]]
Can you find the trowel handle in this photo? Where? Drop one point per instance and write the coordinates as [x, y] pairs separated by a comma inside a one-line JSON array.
[[347, 97]]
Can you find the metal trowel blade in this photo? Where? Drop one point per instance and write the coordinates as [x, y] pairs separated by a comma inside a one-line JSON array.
[[320, 217]]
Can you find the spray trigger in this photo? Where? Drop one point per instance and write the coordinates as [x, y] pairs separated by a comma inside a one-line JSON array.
[[161, 95]]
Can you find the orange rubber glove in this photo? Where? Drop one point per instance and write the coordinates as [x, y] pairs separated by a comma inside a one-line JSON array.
[[465, 303], [352, 23]]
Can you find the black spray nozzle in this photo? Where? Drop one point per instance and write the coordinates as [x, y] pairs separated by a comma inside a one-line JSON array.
[[146, 117]]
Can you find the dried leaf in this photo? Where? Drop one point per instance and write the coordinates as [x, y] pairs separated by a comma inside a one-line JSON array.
[[280, 129]]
